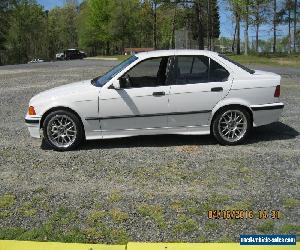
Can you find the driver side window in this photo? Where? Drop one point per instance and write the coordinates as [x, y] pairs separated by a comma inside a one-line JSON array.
[[149, 73]]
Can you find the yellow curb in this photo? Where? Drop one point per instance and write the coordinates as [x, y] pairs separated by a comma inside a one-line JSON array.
[[31, 245], [203, 246]]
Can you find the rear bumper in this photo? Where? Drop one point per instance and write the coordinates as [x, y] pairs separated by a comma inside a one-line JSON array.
[[33, 125], [266, 113]]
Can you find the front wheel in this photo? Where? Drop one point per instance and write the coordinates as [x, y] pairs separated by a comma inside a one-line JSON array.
[[63, 130], [231, 126]]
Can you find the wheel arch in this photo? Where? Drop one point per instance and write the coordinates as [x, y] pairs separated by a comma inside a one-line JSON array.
[[61, 108], [226, 106]]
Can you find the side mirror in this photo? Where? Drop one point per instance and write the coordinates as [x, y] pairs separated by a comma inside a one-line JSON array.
[[116, 85]]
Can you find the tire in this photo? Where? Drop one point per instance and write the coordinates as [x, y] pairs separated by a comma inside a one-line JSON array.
[[232, 125], [63, 130]]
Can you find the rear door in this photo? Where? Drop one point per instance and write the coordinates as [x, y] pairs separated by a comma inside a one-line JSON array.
[[198, 84]]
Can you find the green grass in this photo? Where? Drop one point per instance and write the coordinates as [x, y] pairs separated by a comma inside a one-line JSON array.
[[269, 59], [115, 196], [291, 203], [27, 210], [266, 227], [95, 217], [118, 57], [118, 216], [185, 225], [7, 201], [155, 212], [290, 229]]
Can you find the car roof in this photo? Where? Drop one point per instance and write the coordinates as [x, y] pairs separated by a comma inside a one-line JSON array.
[[157, 53]]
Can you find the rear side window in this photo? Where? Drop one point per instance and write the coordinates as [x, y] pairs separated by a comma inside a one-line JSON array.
[[191, 69], [198, 69]]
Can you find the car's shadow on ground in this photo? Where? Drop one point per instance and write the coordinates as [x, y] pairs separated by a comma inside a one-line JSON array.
[[274, 131]]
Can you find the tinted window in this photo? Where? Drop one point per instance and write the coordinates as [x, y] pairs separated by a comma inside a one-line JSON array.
[[148, 73], [217, 73], [198, 69], [251, 71], [191, 69]]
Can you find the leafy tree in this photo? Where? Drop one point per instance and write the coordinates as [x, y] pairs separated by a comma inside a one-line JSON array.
[[259, 13], [25, 38]]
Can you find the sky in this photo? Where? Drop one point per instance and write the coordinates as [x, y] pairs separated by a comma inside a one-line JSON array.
[[227, 24]]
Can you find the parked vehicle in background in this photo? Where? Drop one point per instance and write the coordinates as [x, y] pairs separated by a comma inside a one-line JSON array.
[[36, 60], [60, 56], [190, 92], [71, 54]]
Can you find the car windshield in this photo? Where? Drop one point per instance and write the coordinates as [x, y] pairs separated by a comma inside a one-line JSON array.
[[101, 80], [251, 71]]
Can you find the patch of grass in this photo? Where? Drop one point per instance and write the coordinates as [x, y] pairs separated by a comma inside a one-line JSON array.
[[225, 239], [11, 233], [5, 214], [289, 229], [115, 196], [119, 236], [202, 239], [7, 201], [118, 216], [215, 201], [291, 203], [63, 217], [27, 210], [266, 227], [95, 234], [95, 216], [211, 226], [118, 57], [185, 225], [106, 235], [155, 212], [177, 206], [272, 60], [240, 205]]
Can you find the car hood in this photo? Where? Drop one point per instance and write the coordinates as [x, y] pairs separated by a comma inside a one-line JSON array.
[[64, 91]]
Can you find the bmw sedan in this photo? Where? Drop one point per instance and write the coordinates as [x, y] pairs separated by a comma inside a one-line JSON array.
[[189, 92]]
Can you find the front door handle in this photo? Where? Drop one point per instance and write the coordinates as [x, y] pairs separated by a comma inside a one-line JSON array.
[[158, 93], [217, 89]]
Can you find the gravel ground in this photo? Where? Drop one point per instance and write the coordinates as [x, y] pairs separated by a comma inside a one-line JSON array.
[[147, 188]]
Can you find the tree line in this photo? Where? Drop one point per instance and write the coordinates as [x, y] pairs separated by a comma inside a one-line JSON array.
[[106, 27], [101, 26], [256, 13]]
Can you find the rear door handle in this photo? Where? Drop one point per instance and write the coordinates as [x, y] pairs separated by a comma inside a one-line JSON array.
[[158, 93], [216, 89]]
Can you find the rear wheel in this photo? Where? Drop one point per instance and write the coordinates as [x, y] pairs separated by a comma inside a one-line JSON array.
[[231, 126], [63, 130]]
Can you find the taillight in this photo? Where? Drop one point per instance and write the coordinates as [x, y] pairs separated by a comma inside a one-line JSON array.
[[31, 111], [277, 91]]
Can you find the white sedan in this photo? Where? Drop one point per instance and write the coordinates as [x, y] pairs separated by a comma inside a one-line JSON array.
[[188, 92]]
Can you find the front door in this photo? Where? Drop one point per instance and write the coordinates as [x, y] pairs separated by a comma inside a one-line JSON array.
[[140, 104]]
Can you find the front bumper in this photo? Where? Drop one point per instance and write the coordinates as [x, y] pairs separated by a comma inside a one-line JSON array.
[[266, 113], [33, 125]]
